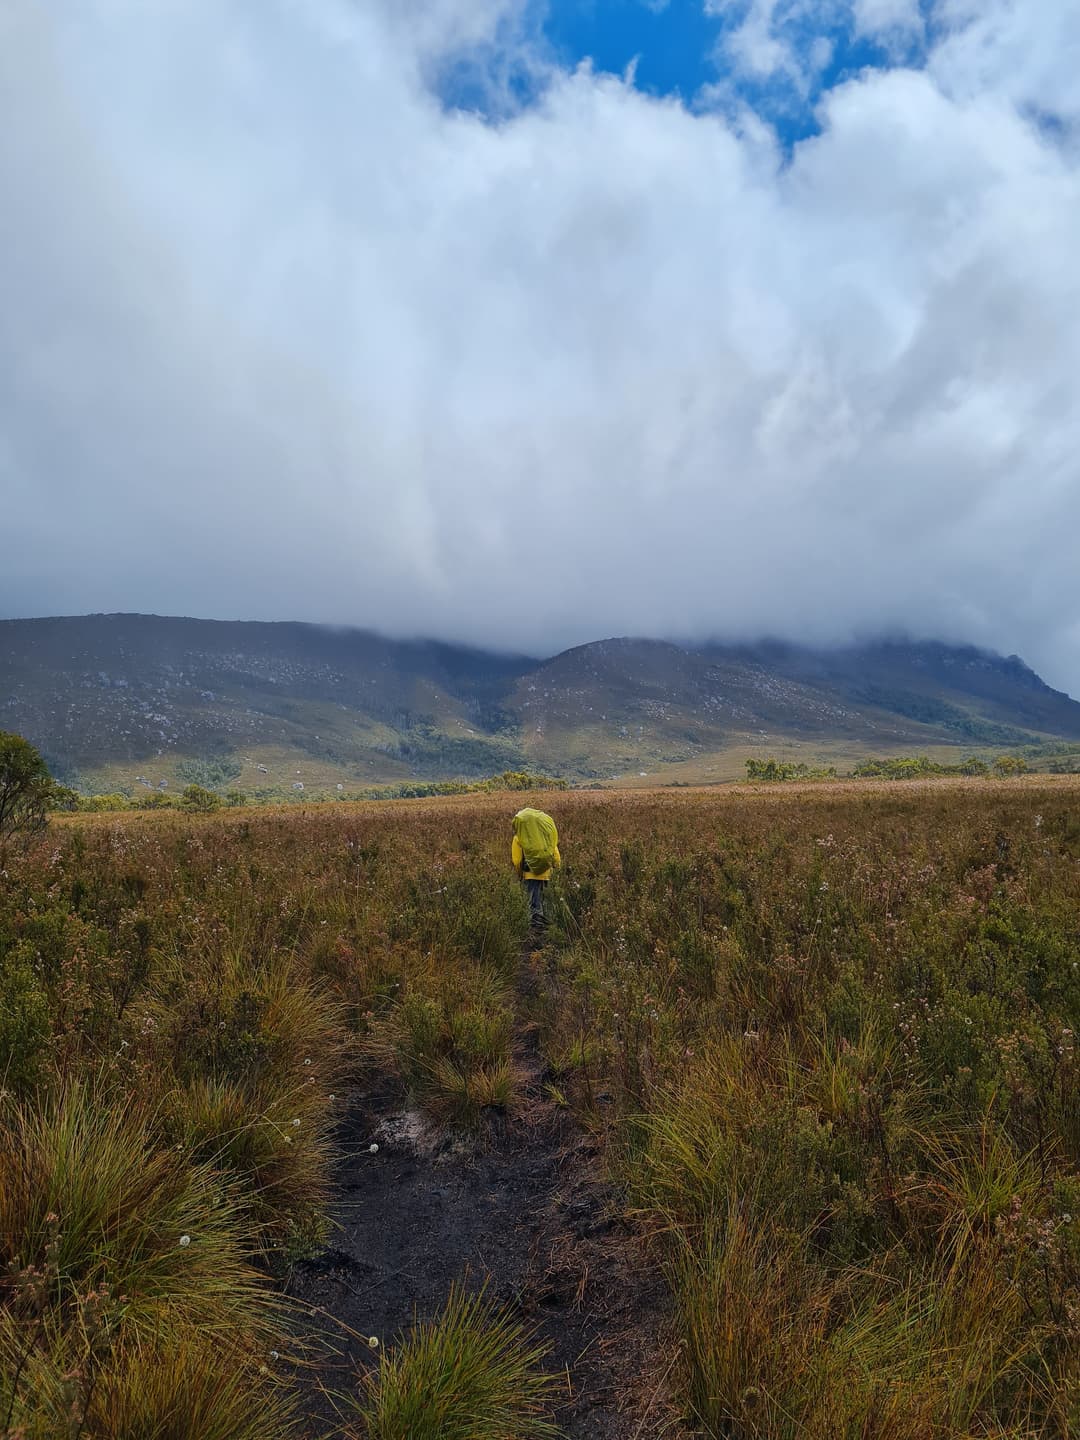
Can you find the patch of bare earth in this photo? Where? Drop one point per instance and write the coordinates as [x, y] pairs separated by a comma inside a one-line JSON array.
[[525, 1210]]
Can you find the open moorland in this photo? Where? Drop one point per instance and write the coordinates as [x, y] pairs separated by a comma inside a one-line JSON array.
[[775, 1135]]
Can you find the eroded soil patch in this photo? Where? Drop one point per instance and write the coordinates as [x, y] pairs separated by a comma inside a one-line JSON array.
[[523, 1209]]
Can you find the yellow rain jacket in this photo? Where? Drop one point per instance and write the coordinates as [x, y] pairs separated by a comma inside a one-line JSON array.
[[535, 839]]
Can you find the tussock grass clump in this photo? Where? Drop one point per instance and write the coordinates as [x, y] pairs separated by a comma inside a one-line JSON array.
[[814, 1133], [775, 1349], [216, 1393], [174, 1387], [88, 1198], [245, 1019], [126, 1302], [449, 1038], [460, 1096], [472, 1374], [255, 1052], [270, 1141]]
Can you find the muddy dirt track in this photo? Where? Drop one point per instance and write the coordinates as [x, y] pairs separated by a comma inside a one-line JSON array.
[[523, 1209]]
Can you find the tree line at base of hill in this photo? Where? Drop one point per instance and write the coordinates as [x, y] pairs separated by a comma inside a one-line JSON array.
[[28, 792], [900, 767]]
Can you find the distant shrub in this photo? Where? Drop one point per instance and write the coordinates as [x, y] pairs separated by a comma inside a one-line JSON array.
[[198, 799], [63, 798], [155, 800], [973, 765], [424, 746], [917, 767], [512, 780], [784, 770], [110, 800], [516, 780], [522, 780]]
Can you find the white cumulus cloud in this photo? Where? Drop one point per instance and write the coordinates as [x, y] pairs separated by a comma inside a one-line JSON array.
[[887, 18], [284, 336]]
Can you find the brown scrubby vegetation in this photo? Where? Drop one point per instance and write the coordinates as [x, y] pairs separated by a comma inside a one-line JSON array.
[[824, 1038]]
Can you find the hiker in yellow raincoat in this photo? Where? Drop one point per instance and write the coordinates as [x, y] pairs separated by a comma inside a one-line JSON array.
[[535, 853]]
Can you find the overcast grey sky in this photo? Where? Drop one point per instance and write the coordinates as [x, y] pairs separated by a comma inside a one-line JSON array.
[[285, 334]]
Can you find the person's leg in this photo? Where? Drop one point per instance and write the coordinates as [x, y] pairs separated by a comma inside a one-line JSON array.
[[535, 892]]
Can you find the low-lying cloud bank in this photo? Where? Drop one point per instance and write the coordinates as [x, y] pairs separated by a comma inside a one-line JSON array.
[[285, 337]]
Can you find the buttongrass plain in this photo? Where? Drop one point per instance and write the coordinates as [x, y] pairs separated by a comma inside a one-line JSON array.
[[826, 1036]]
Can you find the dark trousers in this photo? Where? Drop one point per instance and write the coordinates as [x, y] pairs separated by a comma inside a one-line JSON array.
[[534, 889]]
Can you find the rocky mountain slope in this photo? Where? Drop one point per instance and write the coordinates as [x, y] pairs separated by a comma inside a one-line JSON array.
[[136, 695]]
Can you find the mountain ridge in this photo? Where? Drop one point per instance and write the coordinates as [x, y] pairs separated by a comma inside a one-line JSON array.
[[107, 696]]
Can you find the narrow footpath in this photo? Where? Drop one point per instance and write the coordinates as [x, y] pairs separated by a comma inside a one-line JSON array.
[[524, 1209]]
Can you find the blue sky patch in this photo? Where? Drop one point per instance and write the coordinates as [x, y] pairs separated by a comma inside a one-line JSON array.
[[672, 45], [678, 49]]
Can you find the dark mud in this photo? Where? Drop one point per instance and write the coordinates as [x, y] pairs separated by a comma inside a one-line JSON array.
[[523, 1210]]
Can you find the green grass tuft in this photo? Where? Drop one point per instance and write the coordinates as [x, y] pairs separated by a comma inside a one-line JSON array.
[[472, 1374]]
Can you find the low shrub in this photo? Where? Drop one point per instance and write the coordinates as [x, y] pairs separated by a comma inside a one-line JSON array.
[[24, 1023]]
